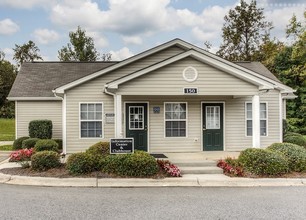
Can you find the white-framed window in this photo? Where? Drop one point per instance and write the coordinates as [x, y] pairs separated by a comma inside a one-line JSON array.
[[91, 120], [263, 119], [136, 117], [175, 119]]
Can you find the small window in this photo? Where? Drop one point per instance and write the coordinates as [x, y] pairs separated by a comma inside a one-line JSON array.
[[175, 119], [263, 119], [91, 120]]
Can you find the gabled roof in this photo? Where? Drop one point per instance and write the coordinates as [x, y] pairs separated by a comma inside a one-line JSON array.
[[38, 79], [233, 69]]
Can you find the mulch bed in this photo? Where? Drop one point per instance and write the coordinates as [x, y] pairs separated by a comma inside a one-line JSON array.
[[62, 172]]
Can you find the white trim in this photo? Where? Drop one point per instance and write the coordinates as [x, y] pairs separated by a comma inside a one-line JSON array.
[[139, 56], [280, 104], [252, 77], [34, 98], [16, 119], [118, 116], [256, 121], [178, 102], [179, 43], [64, 124], [148, 119], [201, 127], [136, 129], [102, 120]]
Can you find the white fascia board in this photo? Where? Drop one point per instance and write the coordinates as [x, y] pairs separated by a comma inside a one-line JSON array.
[[202, 57], [177, 42], [34, 98]]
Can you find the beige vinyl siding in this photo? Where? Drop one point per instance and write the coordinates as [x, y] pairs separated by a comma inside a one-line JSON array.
[[169, 80], [93, 91], [37, 110], [235, 132]]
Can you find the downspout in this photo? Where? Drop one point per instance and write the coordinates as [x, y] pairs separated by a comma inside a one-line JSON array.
[[63, 120], [115, 106]]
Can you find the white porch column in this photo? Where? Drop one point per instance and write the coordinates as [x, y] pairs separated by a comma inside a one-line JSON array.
[[118, 116], [256, 121]]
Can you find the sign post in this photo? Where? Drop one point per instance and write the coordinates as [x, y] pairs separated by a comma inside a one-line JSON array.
[[121, 145]]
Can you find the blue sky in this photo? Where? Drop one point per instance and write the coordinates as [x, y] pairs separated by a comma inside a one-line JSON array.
[[126, 27]]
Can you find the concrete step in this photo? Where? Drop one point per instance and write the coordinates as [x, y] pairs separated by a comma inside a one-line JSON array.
[[201, 170], [202, 163]]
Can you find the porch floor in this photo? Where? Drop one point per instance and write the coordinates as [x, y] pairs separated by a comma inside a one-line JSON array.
[[200, 156]]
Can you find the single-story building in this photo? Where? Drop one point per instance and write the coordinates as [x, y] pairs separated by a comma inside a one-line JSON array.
[[175, 97]]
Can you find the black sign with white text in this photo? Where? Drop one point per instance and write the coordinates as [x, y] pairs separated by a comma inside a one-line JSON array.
[[121, 145]]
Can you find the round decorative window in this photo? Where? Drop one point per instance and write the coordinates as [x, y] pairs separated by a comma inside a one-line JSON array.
[[190, 74]]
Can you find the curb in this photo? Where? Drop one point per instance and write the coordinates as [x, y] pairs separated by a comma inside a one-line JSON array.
[[186, 181]]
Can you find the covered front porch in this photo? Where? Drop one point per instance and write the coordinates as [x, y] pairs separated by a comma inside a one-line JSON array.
[[212, 123]]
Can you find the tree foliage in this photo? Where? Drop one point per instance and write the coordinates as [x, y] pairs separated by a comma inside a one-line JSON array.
[[244, 30], [27, 52], [7, 77], [80, 48], [289, 64]]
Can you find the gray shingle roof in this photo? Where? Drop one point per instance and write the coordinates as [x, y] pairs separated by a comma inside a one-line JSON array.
[[258, 68], [38, 79]]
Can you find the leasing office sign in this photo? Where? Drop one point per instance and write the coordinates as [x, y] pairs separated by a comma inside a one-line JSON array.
[[122, 145]]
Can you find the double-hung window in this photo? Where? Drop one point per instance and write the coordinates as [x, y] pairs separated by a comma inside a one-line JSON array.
[[175, 119], [91, 120], [263, 119]]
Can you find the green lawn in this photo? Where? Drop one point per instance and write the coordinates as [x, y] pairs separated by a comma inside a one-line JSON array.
[[6, 147], [7, 129]]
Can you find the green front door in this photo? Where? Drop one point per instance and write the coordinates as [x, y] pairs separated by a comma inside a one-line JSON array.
[[212, 126], [136, 124]]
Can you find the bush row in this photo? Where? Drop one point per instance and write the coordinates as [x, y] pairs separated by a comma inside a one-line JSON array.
[[38, 144], [98, 158], [279, 158]]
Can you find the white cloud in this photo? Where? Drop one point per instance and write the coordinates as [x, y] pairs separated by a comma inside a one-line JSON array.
[[45, 36], [7, 27], [27, 4], [99, 40], [128, 17], [121, 54], [132, 40], [280, 18], [9, 54]]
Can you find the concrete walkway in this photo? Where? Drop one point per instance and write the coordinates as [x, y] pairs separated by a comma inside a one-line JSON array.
[[206, 180], [6, 143]]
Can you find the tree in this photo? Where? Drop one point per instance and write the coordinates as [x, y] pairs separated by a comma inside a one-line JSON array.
[[7, 77], [27, 52], [244, 30], [290, 66], [80, 48]]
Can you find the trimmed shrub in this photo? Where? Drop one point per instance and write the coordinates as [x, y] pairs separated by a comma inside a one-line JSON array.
[[41, 129], [295, 154], [17, 145], [46, 144], [60, 143], [45, 160], [29, 143], [263, 162], [298, 140], [81, 163], [100, 148], [292, 134], [139, 164]]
